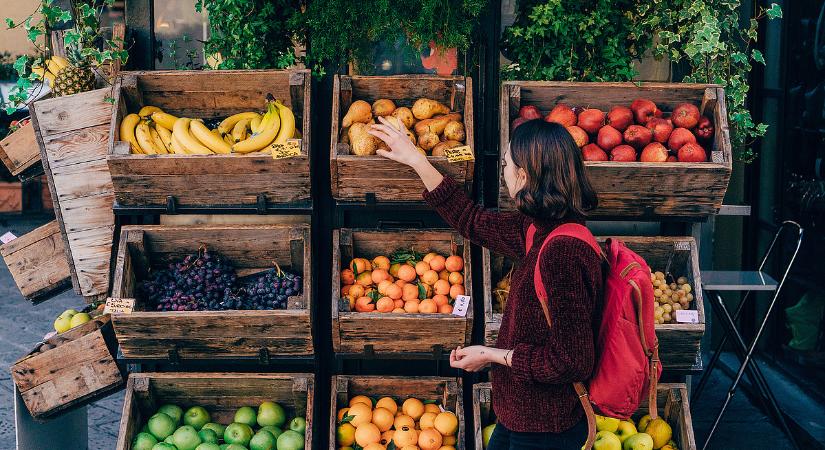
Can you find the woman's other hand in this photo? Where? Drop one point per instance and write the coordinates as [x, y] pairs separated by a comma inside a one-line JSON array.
[[474, 357]]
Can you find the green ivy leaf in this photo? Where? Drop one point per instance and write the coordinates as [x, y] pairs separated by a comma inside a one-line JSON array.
[[758, 56], [21, 65], [9, 23], [774, 12], [34, 33]]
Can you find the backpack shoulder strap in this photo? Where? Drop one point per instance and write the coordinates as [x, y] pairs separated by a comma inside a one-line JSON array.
[[573, 230]]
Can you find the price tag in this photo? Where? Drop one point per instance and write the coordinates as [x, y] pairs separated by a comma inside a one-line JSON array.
[[681, 246], [687, 316], [462, 302], [288, 149], [119, 305], [459, 154], [8, 237]]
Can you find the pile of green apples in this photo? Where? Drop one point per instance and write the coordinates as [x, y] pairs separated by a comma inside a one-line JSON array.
[[646, 434], [170, 428]]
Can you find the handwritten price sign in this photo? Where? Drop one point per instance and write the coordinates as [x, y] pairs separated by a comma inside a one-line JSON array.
[[459, 154], [119, 306], [288, 149]]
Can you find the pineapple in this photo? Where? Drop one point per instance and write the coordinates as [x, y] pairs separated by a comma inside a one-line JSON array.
[[76, 77]]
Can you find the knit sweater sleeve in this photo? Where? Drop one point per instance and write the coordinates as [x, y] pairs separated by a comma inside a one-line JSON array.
[[501, 232], [565, 353]]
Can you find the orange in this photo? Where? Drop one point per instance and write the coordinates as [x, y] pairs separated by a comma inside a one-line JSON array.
[[445, 309], [382, 418], [427, 306], [421, 267], [446, 447], [356, 290], [393, 291], [364, 304], [360, 265], [367, 433], [456, 290], [375, 446], [347, 276], [403, 420], [345, 434], [427, 420], [364, 279], [410, 447], [446, 423], [411, 306], [386, 437], [442, 287], [437, 263], [383, 285], [413, 408], [444, 275], [441, 299], [429, 257], [342, 413], [398, 303], [394, 269], [428, 290], [428, 439], [454, 264], [385, 304], [430, 277], [409, 292], [406, 273], [456, 278], [387, 403], [381, 262], [360, 399], [448, 440], [432, 407], [399, 310], [345, 290], [404, 436], [361, 413], [379, 275]]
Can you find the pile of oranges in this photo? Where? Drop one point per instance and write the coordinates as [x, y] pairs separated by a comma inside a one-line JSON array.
[[430, 285], [415, 426]]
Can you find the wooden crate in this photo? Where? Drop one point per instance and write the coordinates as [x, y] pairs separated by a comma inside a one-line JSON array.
[[220, 393], [79, 370], [209, 181], [19, 150], [445, 391], [214, 335], [363, 178], [679, 344], [672, 401], [635, 189], [37, 262], [11, 197], [388, 333]]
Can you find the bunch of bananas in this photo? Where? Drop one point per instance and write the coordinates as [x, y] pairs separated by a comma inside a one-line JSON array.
[[154, 132], [50, 69]]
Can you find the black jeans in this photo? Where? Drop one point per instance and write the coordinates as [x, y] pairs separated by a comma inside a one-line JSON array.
[[572, 439]]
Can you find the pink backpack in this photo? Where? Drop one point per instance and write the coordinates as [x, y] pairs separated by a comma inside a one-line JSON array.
[[627, 352]]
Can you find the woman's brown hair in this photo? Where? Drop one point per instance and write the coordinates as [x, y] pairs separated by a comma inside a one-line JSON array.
[[557, 185]]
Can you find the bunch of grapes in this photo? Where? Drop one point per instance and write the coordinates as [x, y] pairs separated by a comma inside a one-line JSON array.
[[670, 297], [271, 289]]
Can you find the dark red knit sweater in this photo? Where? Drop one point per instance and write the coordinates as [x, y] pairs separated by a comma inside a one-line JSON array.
[[536, 393]]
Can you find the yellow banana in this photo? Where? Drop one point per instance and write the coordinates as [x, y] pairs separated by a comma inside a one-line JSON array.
[[165, 136], [165, 120], [228, 124], [211, 139], [159, 144], [228, 139], [53, 67], [144, 138], [127, 131], [44, 74], [60, 61], [287, 123], [262, 139], [176, 147], [271, 114], [239, 131], [255, 124], [147, 111], [186, 140]]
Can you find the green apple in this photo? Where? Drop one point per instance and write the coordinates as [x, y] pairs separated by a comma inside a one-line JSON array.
[[607, 423], [486, 433], [625, 430], [246, 415], [63, 324], [68, 313], [643, 421], [170, 439], [660, 431], [186, 438], [639, 441], [216, 427], [298, 424], [234, 447], [79, 319], [238, 433], [161, 425], [263, 440], [274, 430], [290, 440], [208, 446], [173, 411], [144, 441], [164, 446], [606, 440], [270, 413], [208, 436], [196, 416]]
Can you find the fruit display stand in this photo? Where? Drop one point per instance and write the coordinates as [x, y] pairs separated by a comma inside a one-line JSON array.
[[19, 150], [636, 189], [214, 335], [179, 183], [374, 178], [444, 391], [69, 369], [220, 393], [679, 343], [37, 263], [398, 335]]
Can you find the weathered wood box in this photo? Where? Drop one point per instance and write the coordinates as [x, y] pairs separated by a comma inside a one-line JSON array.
[[210, 181], [672, 400], [397, 334], [220, 393], [679, 343], [375, 178], [214, 335], [635, 189], [446, 392], [19, 150], [38, 264], [78, 368]]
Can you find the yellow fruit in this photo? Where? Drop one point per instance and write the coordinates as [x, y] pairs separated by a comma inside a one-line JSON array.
[[287, 122], [261, 140], [410, 447], [159, 144], [375, 446], [181, 133], [405, 436], [486, 433], [81, 318], [345, 434], [69, 313], [447, 447], [367, 433], [386, 437], [446, 423], [382, 418], [413, 408], [342, 413], [63, 323], [147, 111], [432, 407], [211, 140], [658, 429], [429, 439], [643, 422], [361, 414], [127, 131], [229, 123], [448, 440], [163, 119], [427, 420], [165, 136], [403, 420], [144, 138]]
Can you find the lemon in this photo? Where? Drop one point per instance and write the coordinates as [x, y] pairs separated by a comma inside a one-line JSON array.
[[79, 319]]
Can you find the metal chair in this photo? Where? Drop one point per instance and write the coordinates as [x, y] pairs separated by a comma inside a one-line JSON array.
[[746, 281]]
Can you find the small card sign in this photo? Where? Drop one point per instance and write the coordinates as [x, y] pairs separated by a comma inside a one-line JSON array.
[[288, 149], [687, 316], [459, 154], [681, 246], [462, 303], [8, 237], [119, 306]]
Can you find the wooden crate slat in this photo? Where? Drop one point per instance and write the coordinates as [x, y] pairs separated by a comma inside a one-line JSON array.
[[19, 150], [37, 262]]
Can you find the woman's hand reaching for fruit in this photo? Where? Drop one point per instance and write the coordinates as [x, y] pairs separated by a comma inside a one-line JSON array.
[[404, 151], [478, 357]]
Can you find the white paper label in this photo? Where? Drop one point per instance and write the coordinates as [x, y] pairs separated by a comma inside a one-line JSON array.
[[119, 305], [8, 237], [462, 302], [681, 246], [687, 316]]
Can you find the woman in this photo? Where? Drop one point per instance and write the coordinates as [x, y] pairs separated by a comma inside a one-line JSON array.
[[533, 365]]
